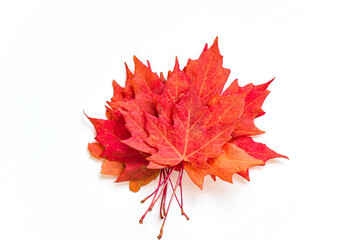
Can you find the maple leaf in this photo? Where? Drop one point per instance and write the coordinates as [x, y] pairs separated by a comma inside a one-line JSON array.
[[96, 149], [110, 135], [233, 160], [112, 167], [138, 174], [207, 74], [255, 149], [157, 126], [189, 139], [178, 84], [255, 96], [197, 174]]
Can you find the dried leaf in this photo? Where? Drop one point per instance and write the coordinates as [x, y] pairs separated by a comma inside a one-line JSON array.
[[187, 122]]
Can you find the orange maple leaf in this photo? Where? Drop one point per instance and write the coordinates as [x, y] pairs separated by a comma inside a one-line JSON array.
[[158, 126]]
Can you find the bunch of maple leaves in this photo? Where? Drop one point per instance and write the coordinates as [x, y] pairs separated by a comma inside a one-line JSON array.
[[159, 126]]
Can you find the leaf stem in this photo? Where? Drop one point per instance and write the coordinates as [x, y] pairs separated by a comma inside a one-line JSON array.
[[180, 204], [155, 198], [167, 211], [161, 191]]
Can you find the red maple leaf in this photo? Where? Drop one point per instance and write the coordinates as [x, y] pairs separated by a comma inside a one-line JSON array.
[[156, 127]]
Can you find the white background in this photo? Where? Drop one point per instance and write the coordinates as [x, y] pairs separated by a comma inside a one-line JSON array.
[[58, 58]]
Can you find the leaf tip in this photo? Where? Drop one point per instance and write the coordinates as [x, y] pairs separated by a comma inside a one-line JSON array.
[[87, 116], [115, 84], [269, 82], [205, 48], [136, 61], [216, 43]]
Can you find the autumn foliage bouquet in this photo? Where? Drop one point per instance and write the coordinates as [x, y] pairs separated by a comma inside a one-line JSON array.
[[159, 127]]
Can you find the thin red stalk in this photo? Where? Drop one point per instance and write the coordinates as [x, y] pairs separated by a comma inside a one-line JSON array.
[[161, 190], [161, 216], [156, 190], [164, 194], [181, 194], [162, 207], [172, 186], [165, 181], [159, 185], [154, 200], [180, 204], [167, 211]]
